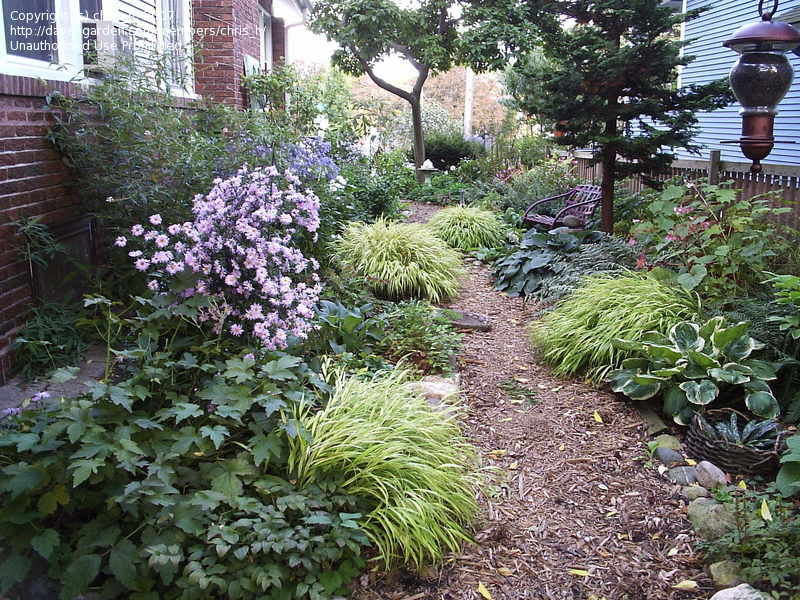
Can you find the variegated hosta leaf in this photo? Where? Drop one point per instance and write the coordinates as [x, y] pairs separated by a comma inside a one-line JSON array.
[[640, 391], [702, 393], [763, 369], [686, 336], [660, 352], [674, 400], [731, 377], [627, 345], [742, 347], [763, 404], [723, 337], [703, 360], [711, 326]]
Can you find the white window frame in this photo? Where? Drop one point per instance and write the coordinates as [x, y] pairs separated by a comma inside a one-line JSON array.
[[265, 39], [187, 41], [68, 38]]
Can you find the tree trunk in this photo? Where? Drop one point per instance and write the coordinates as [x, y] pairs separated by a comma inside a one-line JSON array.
[[419, 140], [609, 175]]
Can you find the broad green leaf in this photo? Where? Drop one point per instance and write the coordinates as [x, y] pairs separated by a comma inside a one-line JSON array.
[[265, 447], [788, 480], [13, 570], [741, 348], [21, 478], [686, 336], [703, 360], [216, 434], [722, 338], [674, 400], [637, 391], [763, 404], [711, 326], [662, 352], [45, 543], [49, 501], [122, 561], [730, 377], [79, 575], [64, 374], [763, 369], [701, 393], [83, 469], [121, 397]]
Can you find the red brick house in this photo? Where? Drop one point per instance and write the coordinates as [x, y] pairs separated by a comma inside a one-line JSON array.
[[45, 46]]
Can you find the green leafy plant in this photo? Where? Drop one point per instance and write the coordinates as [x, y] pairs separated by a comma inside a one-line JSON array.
[[400, 260], [578, 336], [50, 338], [788, 294], [446, 150], [443, 189], [788, 481], [523, 272], [696, 365], [464, 227], [419, 334], [763, 544], [409, 461], [170, 479], [755, 434], [544, 179], [718, 240]]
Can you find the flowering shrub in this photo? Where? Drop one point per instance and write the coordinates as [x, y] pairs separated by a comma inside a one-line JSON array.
[[241, 249], [310, 159], [719, 242]]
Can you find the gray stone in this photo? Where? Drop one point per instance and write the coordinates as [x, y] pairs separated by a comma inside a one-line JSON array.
[[655, 424], [466, 320], [741, 592], [710, 476], [437, 391], [682, 475], [693, 492], [669, 457], [668, 441], [725, 573], [710, 519]]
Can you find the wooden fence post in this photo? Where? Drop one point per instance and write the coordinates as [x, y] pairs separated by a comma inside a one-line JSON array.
[[714, 167]]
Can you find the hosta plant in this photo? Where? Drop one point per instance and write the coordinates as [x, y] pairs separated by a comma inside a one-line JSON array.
[[464, 227], [400, 260], [696, 365], [578, 336], [788, 481]]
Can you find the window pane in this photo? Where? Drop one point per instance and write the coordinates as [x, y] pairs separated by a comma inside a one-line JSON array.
[[92, 9], [31, 29], [172, 19]]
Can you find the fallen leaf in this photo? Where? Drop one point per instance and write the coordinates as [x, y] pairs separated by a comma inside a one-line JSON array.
[[521, 379], [557, 389], [691, 463], [742, 485], [498, 453], [766, 514], [483, 591], [561, 447], [672, 552], [597, 417], [514, 465], [505, 572], [687, 585], [579, 572]]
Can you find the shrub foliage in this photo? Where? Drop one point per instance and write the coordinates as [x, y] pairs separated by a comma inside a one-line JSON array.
[[464, 227]]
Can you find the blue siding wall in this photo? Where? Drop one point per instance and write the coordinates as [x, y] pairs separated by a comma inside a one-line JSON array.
[[706, 34]]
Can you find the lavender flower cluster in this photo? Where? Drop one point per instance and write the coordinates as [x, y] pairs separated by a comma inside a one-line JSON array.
[[240, 249], [310, 159]]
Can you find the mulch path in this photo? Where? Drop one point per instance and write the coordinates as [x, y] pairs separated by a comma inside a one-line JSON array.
[[568, 511]]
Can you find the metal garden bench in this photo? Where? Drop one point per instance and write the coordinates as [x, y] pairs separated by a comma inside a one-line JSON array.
[[579, 205]]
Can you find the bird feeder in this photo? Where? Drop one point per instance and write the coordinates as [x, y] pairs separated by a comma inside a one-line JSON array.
[[760, 79]]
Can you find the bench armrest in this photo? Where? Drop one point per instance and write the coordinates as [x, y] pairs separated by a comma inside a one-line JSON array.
[[543, 201], [572, 206]]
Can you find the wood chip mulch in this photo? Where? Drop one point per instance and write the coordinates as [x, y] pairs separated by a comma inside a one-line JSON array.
[[568, 510]]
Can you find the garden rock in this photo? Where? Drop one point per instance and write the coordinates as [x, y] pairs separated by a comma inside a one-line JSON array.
[[741, 592], [710, 476], [437, 391], [725, 573], [668, 441], [693, 492], [710, 519], [682, 475], [669, 457], [466, 320]]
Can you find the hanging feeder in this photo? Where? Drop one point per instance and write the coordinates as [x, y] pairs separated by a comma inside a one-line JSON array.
[[760, 79]]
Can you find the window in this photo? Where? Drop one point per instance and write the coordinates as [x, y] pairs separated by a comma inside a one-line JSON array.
[[175, 42], [266, 40], [31, 29]]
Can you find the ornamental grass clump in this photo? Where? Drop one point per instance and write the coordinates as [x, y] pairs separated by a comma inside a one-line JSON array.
[[464, 227], [400, 260], [240, 249], [578, 336], [408, 461]]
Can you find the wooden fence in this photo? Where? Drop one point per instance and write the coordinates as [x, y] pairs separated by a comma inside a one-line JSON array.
[[785, 179]]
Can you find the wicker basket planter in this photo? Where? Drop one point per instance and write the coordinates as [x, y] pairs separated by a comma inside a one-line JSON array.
[[732, 458]]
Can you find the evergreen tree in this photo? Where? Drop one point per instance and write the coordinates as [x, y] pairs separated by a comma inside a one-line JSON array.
[[609, 80]]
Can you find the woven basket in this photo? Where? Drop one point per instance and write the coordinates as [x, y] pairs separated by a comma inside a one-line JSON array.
[[729, 457]]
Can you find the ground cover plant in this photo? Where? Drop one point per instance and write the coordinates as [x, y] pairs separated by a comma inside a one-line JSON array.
[[577, 337], [409, 461], [400, 260], [697, 365], [465, 228]]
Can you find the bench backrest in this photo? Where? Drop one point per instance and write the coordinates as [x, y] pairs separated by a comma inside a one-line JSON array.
[[580, 194]]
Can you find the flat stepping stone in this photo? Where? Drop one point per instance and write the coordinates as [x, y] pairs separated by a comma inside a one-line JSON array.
[[466, 320]]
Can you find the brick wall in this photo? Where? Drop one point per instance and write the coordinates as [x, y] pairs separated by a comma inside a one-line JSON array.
[[227, 31], [33, 182]]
